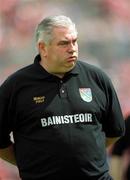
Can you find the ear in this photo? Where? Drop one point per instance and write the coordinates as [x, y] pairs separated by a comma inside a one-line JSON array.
[[42, 48]]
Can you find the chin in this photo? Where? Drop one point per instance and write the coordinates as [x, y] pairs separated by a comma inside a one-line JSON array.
[[70, 68]]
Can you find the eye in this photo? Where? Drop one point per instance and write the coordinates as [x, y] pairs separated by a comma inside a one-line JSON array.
[[74, 41], [63, 43]]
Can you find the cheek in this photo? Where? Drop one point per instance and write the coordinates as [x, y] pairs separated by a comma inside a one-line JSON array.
[[60, 52], [51, 53], [57, 54]]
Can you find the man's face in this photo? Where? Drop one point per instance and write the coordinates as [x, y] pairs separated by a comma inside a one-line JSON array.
[[62, 52]]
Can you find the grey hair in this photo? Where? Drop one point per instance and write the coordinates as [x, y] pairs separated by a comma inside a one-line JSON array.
[[45, 28]]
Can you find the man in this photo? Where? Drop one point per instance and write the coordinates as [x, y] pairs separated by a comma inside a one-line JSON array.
[[62, 112]]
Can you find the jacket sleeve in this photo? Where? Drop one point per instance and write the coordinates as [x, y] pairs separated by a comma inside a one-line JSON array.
[[5, 118], [113, 122]]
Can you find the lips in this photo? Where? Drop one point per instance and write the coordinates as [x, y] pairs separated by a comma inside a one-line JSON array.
[[72, 57]]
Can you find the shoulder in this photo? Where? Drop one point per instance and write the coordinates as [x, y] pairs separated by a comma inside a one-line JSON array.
[[95, 75], [89, 67], [92, 70], [21, 73], [16, 78]]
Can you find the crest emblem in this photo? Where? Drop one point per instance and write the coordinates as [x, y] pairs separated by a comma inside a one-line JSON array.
[[86, 94]]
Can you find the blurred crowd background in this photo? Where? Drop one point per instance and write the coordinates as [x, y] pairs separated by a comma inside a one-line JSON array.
[[104, 36]]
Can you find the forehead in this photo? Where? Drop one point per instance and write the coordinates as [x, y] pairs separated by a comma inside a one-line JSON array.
[[63, 33]]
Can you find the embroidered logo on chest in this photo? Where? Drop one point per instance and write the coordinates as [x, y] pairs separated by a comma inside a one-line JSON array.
[[86, 94], [39, 99]]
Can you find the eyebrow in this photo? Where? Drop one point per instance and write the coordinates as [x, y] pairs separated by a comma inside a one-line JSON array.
[[66, 40]]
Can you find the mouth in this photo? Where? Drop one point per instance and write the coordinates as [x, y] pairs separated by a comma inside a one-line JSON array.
[[72, 58]]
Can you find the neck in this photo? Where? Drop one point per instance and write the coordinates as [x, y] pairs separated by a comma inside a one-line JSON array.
[[60, 75]]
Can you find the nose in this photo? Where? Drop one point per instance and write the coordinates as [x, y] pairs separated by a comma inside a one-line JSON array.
[[72, 48]]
